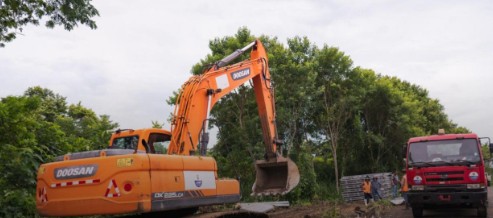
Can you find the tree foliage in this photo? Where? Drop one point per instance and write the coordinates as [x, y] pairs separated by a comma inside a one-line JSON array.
[[15, 14], [336, 119], [35, 128]]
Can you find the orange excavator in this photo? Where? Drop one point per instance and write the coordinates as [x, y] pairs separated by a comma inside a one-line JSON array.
[[152, 170]]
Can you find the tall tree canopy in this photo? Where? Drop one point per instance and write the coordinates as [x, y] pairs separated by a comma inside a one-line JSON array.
[[15, 14], [331, 115]]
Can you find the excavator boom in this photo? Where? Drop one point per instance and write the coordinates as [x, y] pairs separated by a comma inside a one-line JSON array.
[[275, 174]]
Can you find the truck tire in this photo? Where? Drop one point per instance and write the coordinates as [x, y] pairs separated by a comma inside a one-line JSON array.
[[482, 211], [417, 211]]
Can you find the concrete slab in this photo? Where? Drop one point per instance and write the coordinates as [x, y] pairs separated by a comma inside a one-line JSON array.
[[257, 207], [397, 201]]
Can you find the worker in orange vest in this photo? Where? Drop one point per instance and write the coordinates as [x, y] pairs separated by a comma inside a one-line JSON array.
[[404, 189], [366, 186]]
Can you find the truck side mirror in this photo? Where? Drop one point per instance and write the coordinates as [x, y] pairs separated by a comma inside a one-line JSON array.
[[404, 151], [491, 148]]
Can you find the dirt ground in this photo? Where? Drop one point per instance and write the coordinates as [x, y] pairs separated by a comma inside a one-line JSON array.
[[326, 209], [314, 210], [329, 209]]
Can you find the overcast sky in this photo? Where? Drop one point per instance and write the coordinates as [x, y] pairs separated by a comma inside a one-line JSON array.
[[143, 50]]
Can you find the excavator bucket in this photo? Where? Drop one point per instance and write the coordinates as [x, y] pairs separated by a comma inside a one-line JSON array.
[[276, 176]]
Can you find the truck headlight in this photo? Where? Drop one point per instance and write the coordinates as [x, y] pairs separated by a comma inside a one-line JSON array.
[[473, 186], [418, 187]]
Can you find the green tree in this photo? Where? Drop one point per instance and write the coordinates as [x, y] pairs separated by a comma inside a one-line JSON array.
[[330, 114], [293, 71], [15, 14], [157, 124], [19, 156], [34, 129], [236, 115], [333, 100], [51, 104], [390, 111], [386, 119]]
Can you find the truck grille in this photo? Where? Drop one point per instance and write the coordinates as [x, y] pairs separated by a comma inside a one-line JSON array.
[[443, 179], [446, 188], [447, 176]]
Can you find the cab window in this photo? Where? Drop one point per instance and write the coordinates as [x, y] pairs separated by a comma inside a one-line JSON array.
[[159, 143], [129, 142]]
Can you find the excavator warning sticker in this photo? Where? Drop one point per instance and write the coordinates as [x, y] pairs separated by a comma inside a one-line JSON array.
[[110, 192], [43, 196], [124, 162], [75, 182], [199, 180]]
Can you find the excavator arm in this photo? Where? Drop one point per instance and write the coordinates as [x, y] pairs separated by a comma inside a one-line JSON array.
[[275, 174], [201, 92]]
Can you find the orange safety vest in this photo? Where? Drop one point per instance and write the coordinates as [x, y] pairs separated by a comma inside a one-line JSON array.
[[367, 187], [404, 187]]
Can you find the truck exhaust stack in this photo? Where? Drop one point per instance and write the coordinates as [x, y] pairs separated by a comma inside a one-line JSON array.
[[276, 176]]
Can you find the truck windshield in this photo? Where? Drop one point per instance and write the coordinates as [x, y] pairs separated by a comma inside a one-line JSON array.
[[444, 152], [129, 142]]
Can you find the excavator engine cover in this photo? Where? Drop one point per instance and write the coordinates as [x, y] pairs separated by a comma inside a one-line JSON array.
[[276, 176]]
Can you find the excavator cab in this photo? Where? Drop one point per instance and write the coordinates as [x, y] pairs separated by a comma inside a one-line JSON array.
[[276, 176]]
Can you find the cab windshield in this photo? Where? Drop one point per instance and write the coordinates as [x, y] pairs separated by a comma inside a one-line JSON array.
[[129, 142], [445, 152]]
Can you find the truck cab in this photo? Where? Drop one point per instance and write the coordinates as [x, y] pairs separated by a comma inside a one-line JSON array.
[[446, 170]]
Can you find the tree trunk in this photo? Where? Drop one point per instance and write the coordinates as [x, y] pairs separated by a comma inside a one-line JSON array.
[[334, 139], [336, 171]]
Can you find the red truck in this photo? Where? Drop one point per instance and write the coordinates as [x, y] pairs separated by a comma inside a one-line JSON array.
[[446, 170]]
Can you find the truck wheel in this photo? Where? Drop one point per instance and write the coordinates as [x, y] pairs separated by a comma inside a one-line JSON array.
[[417, 211], [482, 211]]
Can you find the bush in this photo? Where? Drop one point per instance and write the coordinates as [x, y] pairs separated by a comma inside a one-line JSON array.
[[308, 186]]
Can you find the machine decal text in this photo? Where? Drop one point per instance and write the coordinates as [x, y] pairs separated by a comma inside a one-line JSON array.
[[76, 171], [240, 74], [166, 195]]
